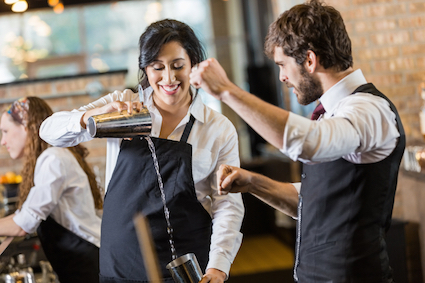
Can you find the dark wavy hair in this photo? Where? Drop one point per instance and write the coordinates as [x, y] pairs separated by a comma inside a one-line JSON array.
[[311, 26], [162, 32]]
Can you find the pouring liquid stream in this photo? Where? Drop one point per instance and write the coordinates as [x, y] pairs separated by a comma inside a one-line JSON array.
[[161, 188]]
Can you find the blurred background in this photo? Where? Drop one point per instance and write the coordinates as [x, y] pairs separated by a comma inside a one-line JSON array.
[[72, 52]]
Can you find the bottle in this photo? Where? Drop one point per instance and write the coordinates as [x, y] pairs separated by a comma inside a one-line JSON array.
[[33, 257], [48, 275], [24, 270], [11, 267]]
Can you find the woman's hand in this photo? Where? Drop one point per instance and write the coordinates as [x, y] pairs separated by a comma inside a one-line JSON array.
[[115, 106], [213, 276]]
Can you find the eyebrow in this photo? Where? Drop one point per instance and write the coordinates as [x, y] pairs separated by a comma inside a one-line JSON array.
[[175, 60]]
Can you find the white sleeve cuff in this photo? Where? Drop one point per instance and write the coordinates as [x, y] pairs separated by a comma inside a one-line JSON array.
[[297, 186], [75, 122], [27, 221], [219, 262]]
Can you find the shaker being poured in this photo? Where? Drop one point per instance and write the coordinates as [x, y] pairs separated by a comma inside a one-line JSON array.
[[120, 124]]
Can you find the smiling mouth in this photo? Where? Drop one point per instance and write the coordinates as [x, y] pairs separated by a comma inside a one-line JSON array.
[[170, 89]]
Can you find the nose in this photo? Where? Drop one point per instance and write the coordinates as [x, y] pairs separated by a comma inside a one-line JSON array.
[[169, 75], [282, 76], [3, 140]]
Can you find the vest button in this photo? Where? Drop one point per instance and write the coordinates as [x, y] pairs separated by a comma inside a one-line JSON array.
[[303, 175]]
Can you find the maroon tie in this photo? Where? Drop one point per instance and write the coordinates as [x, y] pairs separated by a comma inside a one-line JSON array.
[[318, 111]]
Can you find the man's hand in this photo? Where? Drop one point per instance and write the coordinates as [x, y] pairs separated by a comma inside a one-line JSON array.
[[213, 276], [232, 179], [211, 77]]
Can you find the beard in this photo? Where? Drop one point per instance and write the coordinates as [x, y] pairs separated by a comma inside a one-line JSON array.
[[309, 89]]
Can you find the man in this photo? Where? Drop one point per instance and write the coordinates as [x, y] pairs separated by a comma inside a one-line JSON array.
[[351, 154]]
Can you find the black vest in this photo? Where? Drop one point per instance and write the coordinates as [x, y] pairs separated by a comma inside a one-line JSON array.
[[344, 212]]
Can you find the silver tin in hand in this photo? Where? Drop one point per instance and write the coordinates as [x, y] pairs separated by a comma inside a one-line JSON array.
[[120, 124]]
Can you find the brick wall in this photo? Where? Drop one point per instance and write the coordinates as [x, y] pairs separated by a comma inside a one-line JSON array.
[[64, 93], [388, 38]]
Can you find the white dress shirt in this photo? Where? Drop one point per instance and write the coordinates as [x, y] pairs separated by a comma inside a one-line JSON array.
[[61, 190], [361, 128], [214, 142]]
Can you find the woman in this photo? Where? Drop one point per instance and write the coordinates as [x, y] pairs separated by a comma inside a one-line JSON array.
[[58, 195], [191, 141]]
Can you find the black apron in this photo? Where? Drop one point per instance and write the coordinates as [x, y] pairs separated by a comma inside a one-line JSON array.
[[72, 258], [134, 188]]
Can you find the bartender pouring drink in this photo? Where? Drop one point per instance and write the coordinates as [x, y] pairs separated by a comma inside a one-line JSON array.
[[191, 141], [351, 151]]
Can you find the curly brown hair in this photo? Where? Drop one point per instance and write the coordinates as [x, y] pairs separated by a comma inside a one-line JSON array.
[[34, 146], [311, 26]]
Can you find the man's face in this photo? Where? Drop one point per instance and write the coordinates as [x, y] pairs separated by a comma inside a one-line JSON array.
[[306, 87]]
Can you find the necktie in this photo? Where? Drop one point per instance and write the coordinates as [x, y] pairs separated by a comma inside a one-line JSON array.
[[318, 111]]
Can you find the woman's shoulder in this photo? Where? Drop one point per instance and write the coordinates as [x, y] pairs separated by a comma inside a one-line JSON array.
[[58, 159], [216, 128], [55, 151], [214, 118], [55, 154]]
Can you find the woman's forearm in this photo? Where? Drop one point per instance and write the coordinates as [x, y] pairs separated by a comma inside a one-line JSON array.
[[8, 227]]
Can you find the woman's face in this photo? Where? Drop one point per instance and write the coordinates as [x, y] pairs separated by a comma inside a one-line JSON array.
[[13, 136], [168, 75]]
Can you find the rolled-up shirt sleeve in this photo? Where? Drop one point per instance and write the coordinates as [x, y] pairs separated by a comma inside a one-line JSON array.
[[318, 141], [363, 129], [63, 129]]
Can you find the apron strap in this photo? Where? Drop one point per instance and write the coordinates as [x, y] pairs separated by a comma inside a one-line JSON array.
[[187, 129]]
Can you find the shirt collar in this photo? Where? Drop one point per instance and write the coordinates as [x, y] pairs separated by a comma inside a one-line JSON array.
[[341, 90], [196, 108]]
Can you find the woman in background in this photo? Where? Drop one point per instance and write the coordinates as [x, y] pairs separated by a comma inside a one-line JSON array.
[[58, 196], [191, 141]]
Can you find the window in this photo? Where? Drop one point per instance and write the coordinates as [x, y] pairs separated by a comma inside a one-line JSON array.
[[91, 38]]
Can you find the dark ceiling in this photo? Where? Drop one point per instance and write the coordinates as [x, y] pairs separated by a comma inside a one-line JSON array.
[[37, 4]]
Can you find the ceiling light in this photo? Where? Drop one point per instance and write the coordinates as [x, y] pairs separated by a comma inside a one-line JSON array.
[[53, 3], [58, 9], [20, 6], [10, 2]]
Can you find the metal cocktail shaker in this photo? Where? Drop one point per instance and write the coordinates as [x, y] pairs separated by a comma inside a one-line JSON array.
[[185, 269], [120, 124]]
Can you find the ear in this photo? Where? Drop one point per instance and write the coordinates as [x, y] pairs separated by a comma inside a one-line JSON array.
[[311, 61]]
